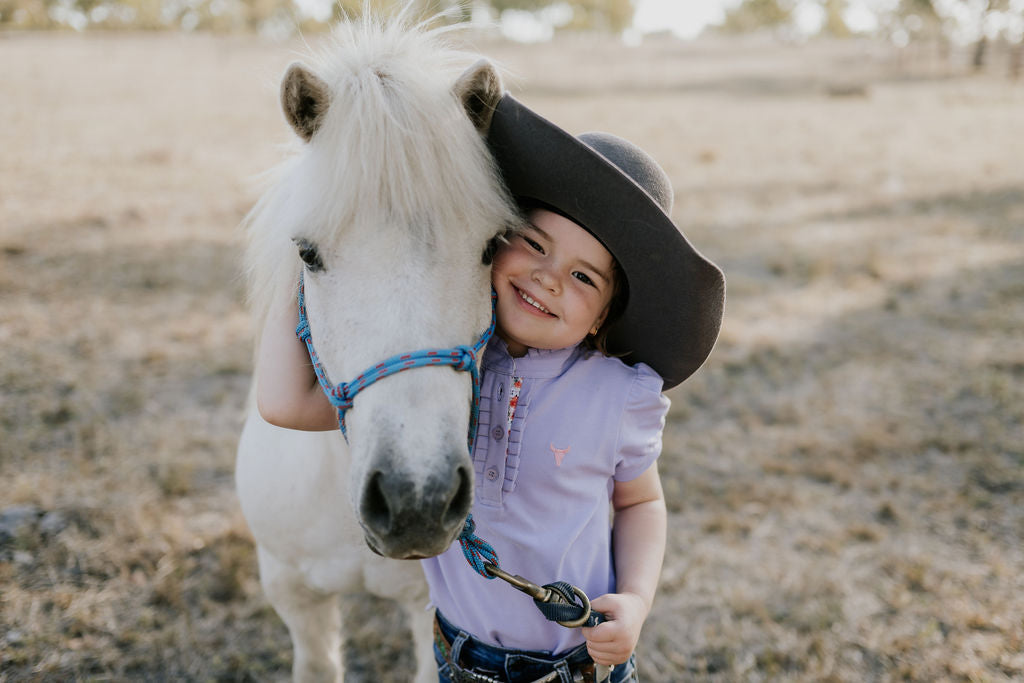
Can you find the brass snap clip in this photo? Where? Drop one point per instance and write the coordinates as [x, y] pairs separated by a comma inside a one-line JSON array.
[[542, 594]]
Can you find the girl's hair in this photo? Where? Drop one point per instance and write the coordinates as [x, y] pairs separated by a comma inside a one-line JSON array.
[[620, 287], [616, 305]]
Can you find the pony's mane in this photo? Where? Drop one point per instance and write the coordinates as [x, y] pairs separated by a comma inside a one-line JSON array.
[[394, 148]]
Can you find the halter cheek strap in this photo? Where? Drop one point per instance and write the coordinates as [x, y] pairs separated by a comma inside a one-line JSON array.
[[342, 395], [558, 601]]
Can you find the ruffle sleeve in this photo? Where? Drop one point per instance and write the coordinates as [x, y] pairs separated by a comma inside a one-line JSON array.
[[641, 426]]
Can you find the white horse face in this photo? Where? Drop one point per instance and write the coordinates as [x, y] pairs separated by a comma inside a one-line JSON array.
[[410, 471], [398, 200]]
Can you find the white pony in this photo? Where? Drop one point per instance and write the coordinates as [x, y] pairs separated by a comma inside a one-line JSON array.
[[392, 200]]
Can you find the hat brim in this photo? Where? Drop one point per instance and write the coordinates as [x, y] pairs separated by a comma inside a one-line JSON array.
[[676, 296]]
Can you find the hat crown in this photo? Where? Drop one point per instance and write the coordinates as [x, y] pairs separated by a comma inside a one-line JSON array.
[[635, 163], [618, 193]]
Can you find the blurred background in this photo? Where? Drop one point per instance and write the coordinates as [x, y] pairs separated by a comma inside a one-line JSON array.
[[977, 22], [844, 476]]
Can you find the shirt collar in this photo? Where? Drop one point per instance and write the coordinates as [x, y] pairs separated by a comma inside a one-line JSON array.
[[536, 364]]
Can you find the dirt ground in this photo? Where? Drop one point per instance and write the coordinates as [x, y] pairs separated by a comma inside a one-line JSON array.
[[844, 476]]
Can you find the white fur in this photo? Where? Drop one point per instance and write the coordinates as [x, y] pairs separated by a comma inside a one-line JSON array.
[[398, 191]]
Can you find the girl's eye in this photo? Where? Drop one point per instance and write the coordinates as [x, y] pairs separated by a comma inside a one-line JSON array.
[[534, 245], [310, 255], [583, 277]]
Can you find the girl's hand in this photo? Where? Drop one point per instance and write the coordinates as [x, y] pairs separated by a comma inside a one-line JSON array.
[[638, 536], [613, 641]]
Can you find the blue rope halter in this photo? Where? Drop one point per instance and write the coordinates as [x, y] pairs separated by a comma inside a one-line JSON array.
[[559, 604], [478, 551], [342, 395]]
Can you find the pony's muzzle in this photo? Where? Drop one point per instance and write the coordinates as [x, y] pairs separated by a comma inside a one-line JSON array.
[[405, 521]]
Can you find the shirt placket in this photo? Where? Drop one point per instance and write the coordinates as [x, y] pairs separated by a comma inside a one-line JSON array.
[[504, 396]]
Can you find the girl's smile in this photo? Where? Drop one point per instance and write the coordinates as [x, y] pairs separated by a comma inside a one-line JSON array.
[[554, 282], [532, 305]]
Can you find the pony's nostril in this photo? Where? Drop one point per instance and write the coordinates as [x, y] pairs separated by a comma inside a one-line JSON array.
[[375, 510], [461, 500]]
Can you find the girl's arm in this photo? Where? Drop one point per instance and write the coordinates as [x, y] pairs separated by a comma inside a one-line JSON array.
[[638, 541], [287, 391]]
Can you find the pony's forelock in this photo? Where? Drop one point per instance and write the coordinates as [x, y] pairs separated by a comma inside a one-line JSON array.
[[394, 149]]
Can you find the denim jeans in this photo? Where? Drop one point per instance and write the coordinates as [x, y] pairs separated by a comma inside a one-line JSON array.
[[514, 666]]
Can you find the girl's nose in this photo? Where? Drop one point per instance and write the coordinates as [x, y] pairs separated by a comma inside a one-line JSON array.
[[546, 279]]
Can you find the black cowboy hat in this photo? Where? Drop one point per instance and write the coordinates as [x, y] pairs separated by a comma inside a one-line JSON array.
[[621, 196]]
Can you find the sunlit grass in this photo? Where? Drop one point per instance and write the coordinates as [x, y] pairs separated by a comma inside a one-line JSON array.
[[843, 477]]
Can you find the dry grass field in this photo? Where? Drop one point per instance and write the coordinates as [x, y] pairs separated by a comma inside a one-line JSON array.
[[844, 477]]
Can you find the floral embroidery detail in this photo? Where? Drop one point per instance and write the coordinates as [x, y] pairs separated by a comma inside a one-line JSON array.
[[559, 454], [513, 399]]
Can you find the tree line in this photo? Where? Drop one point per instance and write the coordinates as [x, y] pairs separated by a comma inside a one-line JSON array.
[[982, 22], [254, 15], [978, 23]]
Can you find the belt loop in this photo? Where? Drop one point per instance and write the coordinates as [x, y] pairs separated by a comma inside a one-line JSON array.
[[564, 675], [457, 644]]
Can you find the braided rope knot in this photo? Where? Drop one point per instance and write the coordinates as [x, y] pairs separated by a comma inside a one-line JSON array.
[[466, 358], [478, 552], [340, 396]]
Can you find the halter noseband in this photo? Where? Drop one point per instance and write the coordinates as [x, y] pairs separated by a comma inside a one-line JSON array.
[[342, 395], [557, 601]]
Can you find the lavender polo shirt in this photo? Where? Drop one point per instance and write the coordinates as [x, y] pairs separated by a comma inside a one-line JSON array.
[[543, 487]]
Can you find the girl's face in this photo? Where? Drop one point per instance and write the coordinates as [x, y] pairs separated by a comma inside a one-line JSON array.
[[554, 284]]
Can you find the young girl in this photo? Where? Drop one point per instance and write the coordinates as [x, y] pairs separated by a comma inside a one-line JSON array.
[[601, 303]]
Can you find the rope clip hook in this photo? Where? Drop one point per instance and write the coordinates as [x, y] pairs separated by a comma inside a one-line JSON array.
[[544, 593]]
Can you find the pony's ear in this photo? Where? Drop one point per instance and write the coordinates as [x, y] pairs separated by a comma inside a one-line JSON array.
[[304, 98], [479, 89]]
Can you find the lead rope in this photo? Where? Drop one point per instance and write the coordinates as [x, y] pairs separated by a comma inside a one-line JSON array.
[[559, 601]]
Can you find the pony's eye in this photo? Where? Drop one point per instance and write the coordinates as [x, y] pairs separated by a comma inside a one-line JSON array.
[[309, 255]]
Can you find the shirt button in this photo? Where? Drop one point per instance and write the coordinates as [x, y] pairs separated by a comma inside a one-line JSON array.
[[492, 474], [501, 390], [497, 433]]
